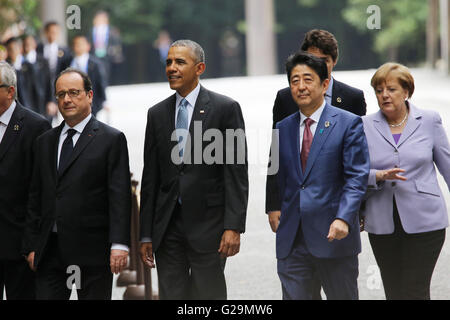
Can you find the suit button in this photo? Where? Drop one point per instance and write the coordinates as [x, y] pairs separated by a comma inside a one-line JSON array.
[[396, 166], [394, 184], [303, 187], [181, 173]]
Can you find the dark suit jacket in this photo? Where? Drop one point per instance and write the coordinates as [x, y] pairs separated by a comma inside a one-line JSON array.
[[36, 92], [343, 96], [90, 200], [16, 164], [213, 196], [64, 58]]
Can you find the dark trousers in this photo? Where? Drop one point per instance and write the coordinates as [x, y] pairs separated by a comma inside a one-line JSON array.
[[184, 273], [407, 261], [297, 272], [17, 279], [54, 278]]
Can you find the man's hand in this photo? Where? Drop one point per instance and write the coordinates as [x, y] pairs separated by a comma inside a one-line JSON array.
[[118, 260], [147, 254], [30, 260], [338, 230], [274, 219], [230, 244]]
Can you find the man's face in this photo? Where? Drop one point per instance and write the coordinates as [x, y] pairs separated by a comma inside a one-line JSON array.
[[52, 33], [76, 108], [80, 46], [14, 50], [29, 44], [6, 97], [306, 88], [328, 59], [182, 71]]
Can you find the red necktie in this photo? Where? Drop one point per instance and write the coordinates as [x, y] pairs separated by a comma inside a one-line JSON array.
[[306, 143]]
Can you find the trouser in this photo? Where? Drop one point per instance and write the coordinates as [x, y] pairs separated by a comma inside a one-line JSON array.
[[183, 272], [407, 261], [54, 278], [17, 279], [297, 272]]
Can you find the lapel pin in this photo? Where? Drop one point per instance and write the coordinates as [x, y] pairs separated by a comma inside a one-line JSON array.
[[202, 111], [321, 131], [339, 99], [327, 124], [16, 127]]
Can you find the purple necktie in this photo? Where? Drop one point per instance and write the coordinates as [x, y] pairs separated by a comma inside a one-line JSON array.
[[306, 143]]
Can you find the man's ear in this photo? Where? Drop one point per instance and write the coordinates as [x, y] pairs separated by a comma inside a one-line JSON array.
[[201, 66], [325, 85]]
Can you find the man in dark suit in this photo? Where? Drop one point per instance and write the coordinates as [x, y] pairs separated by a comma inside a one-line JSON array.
[[107, 46], [57, 56], [321, 44], [80, 199], [193, 209], [19, 127], [39, 77], [322, 177]]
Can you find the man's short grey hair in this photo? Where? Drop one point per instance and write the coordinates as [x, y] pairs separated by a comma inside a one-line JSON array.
[[8, 76], [199, 54]]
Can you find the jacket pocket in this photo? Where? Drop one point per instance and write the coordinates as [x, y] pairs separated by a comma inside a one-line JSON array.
[[428, 188]]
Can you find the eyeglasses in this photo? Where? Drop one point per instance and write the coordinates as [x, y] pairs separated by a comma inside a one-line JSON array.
[[4, 86], [73, 93]]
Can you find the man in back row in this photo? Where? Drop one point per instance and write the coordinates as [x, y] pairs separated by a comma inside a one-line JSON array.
[[321, 44]]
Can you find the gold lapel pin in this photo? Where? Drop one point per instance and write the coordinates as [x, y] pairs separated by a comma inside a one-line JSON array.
[[339, 99], [327, 124], [16, 127]]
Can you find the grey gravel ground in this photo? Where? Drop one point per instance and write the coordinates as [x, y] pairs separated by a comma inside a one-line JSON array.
[[252, 273]]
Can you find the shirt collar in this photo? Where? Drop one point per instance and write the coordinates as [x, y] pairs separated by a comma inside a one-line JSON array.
[[79, 127], [5, 118], [31, 57], [330, 88], [191, 97], [315, 116]]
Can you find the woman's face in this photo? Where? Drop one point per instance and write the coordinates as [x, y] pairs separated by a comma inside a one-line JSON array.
[[391, 96]]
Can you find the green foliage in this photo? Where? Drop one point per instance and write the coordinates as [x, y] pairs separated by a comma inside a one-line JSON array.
[[403, 22], [15, 11]]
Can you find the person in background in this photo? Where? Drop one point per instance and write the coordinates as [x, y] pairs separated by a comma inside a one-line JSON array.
[[107, 46], [39, 77], [3, 53], [405, 213], [87, 63]]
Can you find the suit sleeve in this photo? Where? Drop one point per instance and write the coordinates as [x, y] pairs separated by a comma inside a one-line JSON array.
[[441, 149], [356, 167], [273, 202], [119, 192], [236, 173], [150, 181], [362, 105], [33, 216]]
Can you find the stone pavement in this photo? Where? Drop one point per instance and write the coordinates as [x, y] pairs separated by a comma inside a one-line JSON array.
[[252, 273]]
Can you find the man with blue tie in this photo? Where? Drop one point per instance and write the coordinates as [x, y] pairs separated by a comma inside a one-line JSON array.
[[323, 171], [192, 212]]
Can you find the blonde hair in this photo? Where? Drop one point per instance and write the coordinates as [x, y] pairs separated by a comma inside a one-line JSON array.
[[399, 72]]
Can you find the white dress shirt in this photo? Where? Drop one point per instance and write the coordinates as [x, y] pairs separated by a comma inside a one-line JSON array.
[[316, 117], [51, 54], [79, 129], [31, 57], [81, 62], [5, 118], [329, 93]]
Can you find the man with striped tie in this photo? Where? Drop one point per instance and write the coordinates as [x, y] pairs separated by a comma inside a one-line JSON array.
[[192, 212]]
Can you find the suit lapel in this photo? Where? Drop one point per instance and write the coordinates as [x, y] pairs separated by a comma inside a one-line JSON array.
[[85, 138], [12, 131], [326, 124], [294, 131], [336, 96], [199, 114], [382, 127], [411, 126], [54, 152]]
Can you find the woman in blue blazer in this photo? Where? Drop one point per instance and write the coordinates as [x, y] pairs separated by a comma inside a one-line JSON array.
[[405, 212]]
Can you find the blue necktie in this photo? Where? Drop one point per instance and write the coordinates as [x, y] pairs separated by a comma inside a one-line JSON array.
[[182, 126], [66, 150]]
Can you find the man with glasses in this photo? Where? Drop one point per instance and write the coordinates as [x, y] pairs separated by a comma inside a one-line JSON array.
[[80, 199], [19, 127]]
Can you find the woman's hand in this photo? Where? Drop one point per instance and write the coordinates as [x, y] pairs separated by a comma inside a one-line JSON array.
[[390, 174]]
